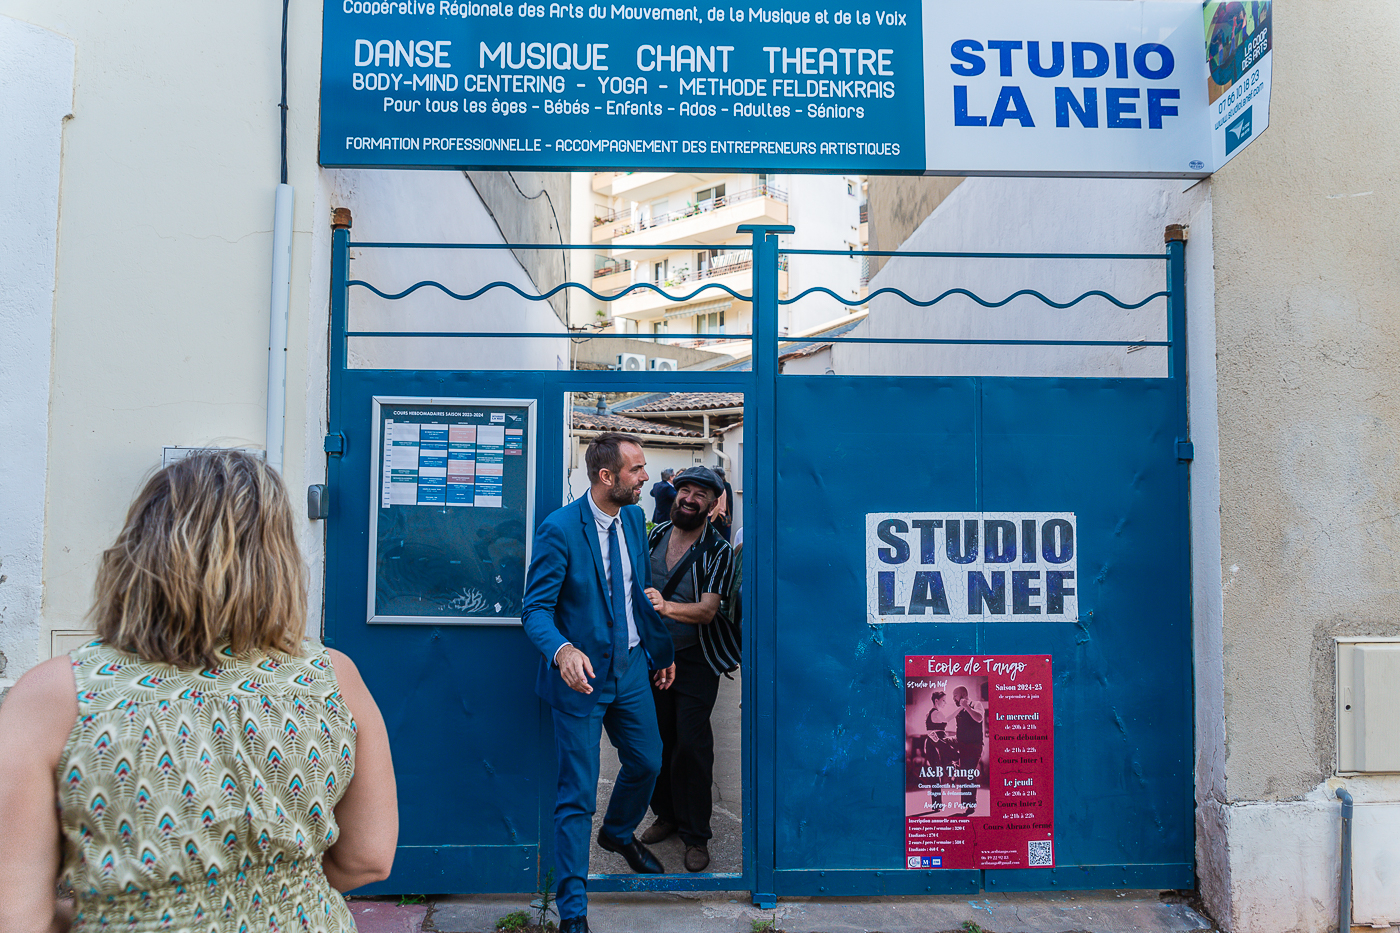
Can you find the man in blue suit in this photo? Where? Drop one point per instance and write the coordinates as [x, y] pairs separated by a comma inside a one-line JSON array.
[[587, 612]]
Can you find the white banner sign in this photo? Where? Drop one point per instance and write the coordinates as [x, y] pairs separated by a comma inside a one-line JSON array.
[[970, 567], [1077, 86]]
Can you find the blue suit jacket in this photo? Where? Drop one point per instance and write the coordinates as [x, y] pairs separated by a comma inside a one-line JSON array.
[[566, 600]]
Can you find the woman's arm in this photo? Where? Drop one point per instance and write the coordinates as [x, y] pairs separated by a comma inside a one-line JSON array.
[[368, 814], [35, 721]]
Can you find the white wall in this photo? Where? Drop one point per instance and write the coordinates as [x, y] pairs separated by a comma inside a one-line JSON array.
[[36, 94], [1029, 215], [160, 315], [437, 207], [159, 294], [826, 217], [732, 443]]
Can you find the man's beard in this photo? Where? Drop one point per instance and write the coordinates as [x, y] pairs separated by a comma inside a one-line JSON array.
[[620, 496], [686, 521]]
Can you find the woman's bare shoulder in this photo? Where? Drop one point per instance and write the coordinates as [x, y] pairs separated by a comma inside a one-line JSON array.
[[40, 709], [346, 673], [50, 682]]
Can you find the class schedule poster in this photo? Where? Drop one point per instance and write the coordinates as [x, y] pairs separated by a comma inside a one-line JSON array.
[[979, 761], [452, 507]]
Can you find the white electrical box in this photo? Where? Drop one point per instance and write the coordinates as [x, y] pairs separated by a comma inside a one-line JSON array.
[[1375, 865], [1368, 705]]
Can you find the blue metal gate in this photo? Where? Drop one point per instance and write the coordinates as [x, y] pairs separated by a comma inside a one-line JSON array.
[[823, 766]]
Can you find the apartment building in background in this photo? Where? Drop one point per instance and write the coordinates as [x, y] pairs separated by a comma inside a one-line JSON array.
[[694, 218]]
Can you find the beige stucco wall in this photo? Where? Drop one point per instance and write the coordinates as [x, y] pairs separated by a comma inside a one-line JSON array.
[[1307, 247]]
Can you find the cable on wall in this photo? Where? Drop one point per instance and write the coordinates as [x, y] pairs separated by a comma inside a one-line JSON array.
[[283, 105]]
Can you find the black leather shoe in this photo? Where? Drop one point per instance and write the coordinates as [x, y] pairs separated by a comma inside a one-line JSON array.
[[638, 856], [574, 925]]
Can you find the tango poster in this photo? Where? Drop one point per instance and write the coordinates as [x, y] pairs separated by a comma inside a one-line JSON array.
[[979, 757]]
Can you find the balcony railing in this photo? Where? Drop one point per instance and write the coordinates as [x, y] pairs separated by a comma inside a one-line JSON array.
[[679, 279], [864, 213], [718, 269], [612, 268], [690, 210]]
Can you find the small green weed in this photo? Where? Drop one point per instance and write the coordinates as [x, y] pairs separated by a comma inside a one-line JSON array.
[[970, 926], [407, 899], [515, 920], [763, 926]]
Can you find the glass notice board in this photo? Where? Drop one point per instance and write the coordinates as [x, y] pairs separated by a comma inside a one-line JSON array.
[[452, 508]]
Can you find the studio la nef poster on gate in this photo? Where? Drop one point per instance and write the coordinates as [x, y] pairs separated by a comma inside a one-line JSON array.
[[979, 761]]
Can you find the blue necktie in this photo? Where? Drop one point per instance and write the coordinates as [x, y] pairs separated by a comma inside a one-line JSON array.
[[619, 595]]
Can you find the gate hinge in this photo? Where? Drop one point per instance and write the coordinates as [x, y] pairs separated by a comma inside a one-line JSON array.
[[334, 444], [1185, 450]]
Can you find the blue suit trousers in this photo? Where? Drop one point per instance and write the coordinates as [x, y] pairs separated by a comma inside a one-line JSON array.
[[626, 709]]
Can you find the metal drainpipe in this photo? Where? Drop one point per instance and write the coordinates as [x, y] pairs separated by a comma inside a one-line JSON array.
[[715, 449], [277, 324], [1344, 914]]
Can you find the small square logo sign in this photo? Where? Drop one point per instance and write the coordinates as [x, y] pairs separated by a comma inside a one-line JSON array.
[[1239, 130]]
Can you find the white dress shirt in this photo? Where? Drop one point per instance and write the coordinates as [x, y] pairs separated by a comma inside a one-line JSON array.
[[602, 521]]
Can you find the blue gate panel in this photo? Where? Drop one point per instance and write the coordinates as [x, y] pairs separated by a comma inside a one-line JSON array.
[[472, 745], [1106, 450], [847, 447], [855, 882], [1103, 449], [1164, 877], [443, 869]]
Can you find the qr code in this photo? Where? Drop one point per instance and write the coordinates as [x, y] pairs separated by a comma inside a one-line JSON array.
[[1038, 853]]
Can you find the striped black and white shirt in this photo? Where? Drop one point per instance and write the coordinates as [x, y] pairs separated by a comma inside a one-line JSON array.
[[712, 571]]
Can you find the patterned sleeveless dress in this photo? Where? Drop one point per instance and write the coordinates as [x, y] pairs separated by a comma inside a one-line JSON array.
[[201, 800]]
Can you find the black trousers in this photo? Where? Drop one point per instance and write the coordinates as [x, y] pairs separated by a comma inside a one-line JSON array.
[[682, 794]]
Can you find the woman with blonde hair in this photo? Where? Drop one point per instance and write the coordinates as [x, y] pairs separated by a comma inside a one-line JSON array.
[[197, 767]]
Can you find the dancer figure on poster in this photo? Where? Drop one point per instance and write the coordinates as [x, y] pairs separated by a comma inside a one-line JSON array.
[[968, 736], [939, 752]]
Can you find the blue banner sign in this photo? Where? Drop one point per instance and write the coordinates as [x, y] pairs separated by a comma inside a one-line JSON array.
[[1001, 87]]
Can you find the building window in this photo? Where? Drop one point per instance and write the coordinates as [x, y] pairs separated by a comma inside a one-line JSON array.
[[851, 188], [708, 198], [712, 323]]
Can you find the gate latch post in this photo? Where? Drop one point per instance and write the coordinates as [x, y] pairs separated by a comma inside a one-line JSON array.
[[1185, 450], [334, 444]]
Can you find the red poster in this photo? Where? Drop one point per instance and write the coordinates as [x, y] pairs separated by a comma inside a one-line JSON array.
[[979, 758]]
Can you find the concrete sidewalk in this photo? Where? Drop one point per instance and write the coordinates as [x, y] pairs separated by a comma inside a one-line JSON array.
[[1080, 912]]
